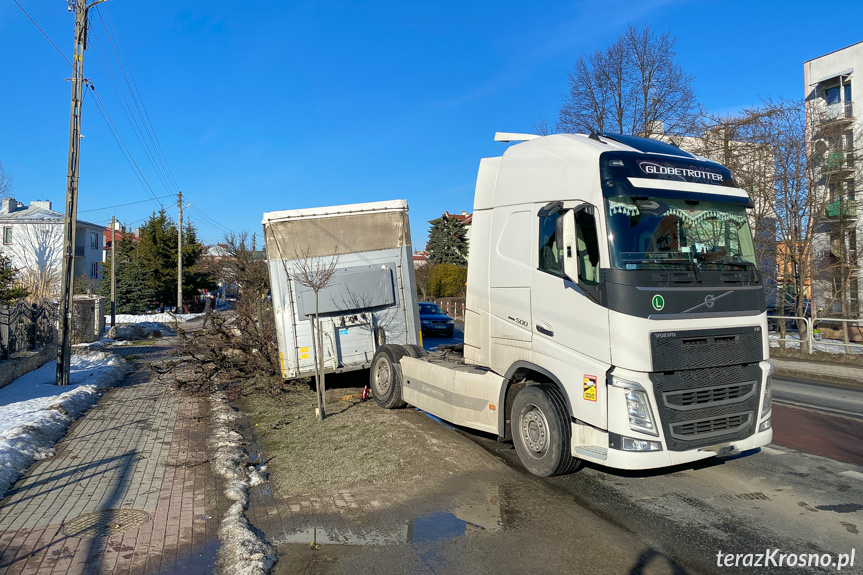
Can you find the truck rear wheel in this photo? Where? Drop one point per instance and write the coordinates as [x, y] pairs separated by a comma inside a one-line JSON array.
[[385, 383], [540, 431]]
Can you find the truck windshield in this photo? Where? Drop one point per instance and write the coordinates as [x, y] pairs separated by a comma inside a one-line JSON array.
[[664, 233]]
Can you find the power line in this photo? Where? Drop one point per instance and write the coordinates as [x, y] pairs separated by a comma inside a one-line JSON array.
[[135, 84], [126, 204], [124, 148], [109, 74], [43, 33], [210, 221], [144, 128]]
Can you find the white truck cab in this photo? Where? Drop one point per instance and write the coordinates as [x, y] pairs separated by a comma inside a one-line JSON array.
[[615, 312]]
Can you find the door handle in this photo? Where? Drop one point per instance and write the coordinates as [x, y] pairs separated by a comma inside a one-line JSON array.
[[544, 329]]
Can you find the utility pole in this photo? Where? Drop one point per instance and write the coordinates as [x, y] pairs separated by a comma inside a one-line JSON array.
[[64, 352], [113, 270], [180, 254]]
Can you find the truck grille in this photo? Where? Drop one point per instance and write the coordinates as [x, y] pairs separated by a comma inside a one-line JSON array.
[[718, 395], [705, 428], [701, 407], [694, 349]]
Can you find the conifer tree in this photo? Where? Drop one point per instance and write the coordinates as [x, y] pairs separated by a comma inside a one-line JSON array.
[[9, 292], [134, 292], [447, 242]]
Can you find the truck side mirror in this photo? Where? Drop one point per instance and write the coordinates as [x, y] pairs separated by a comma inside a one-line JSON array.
[[567, 246]]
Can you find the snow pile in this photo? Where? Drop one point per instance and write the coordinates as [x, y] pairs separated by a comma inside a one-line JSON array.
[[242, 551], [34, 412], [164, 317], [792, 341]]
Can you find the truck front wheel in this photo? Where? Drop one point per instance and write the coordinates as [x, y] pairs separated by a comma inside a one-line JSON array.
[[540, 431], [385, 382]]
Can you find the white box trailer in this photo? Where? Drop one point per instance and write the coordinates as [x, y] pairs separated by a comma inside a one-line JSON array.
[[370, 300]]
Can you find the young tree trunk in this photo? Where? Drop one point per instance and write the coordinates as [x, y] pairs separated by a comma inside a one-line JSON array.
[[320, 412], [322, 388]]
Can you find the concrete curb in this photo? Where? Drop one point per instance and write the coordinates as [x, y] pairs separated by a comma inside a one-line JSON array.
[[843, 375]]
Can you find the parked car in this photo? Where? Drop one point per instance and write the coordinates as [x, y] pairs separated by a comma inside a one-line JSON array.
[[434, 320]]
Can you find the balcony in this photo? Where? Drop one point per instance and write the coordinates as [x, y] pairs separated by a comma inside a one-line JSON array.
[[841, 209], [836, 115], [837, 163]]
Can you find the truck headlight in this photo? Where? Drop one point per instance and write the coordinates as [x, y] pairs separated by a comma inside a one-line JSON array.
[[638, 406], [768, 397], [449, 321]]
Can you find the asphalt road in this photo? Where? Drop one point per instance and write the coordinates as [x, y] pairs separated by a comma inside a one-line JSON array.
[[803, 494]]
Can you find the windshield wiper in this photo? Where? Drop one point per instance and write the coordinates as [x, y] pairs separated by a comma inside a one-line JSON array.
[[750, 267], [686, 261]]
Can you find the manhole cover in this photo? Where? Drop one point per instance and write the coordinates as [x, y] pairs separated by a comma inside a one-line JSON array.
[[105, 523]]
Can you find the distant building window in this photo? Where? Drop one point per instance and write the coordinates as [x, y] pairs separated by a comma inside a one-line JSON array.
[[7, 235], [94, 270], [94, 240], [832, 95]]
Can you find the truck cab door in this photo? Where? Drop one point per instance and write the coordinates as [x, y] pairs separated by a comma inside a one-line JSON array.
[[570, 326]]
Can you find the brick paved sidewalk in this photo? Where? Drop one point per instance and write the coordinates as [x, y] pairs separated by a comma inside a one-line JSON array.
[[128, 491]]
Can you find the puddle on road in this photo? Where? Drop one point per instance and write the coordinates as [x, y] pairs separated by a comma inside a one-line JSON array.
[[201, 561], [462, 520], [319, 550]]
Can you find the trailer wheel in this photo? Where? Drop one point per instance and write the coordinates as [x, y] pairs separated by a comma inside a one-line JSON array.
[[415, 351], [540, 431], [385, 383]]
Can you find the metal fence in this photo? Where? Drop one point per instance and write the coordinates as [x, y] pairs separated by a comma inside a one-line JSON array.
[[453, 309], [27, 327], [820, 324]]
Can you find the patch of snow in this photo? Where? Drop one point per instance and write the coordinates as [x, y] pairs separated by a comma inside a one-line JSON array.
[[243, 551], [34, 412], [792, 341], [164, 317]]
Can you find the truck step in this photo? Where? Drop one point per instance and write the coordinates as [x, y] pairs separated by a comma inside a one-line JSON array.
[[593, 451]]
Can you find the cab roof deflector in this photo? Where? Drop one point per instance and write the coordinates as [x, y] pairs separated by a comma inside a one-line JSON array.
[[514, 137]]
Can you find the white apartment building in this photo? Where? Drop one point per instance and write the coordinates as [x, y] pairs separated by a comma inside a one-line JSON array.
[[830, 83], [32, 238]]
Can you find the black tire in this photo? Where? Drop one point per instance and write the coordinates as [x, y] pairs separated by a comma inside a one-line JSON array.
[[384, 379], [540, 431], [415, 351]]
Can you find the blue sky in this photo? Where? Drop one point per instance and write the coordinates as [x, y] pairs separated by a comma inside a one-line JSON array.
[[278, 105]]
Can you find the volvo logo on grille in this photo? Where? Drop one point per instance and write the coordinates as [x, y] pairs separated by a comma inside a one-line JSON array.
[[709, 300]]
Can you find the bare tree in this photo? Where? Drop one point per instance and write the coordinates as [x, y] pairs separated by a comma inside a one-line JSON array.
[[423, 276], [315, 273], [37, 252], [634, 86], [7, 184], [543, 128]]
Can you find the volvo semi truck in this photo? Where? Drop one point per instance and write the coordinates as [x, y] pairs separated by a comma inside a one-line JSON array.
[[615, 310]]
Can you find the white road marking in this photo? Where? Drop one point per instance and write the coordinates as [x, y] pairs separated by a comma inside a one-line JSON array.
[[854, 474], [772, 451]]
